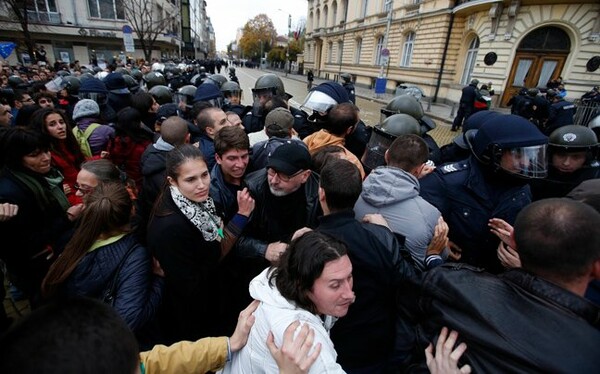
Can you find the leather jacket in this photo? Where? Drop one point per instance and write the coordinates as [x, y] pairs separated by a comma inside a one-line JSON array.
[[512, 323]]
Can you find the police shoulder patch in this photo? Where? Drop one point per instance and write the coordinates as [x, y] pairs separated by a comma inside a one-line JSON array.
[[454, 167]]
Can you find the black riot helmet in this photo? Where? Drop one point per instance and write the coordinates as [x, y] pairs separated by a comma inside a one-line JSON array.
[[162, 94], [513, 144], [408, 104], [384, 134], [269, 82], [154, 78], [231, 89], [185, 95], [71, 84], [216, 79], [132, 83], [346, 77], [574, 138], [15, 82]]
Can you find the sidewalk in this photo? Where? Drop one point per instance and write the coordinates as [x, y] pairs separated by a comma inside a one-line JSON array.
[[441, 113]]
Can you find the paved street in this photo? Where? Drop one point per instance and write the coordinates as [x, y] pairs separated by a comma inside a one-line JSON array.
[[369, 103]]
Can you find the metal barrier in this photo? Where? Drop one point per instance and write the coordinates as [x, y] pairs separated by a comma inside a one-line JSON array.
[[586, 110]]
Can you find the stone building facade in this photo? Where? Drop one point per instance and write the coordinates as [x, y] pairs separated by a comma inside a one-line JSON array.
[[440, 45]]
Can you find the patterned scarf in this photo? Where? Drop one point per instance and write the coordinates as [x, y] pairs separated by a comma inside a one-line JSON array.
[[202, 215]]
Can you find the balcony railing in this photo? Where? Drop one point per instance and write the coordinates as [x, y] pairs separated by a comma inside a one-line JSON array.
[[43, 17]]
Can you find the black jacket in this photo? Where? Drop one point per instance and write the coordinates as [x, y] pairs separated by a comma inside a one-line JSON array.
[[514, 323], [380, 266], [253, 242]]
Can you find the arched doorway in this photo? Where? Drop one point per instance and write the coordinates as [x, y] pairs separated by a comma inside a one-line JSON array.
[[540, 57]]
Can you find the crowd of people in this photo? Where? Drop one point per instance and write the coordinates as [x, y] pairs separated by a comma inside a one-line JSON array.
[[145, 207]]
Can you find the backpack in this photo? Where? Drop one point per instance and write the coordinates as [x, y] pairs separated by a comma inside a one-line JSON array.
[[82, 138]]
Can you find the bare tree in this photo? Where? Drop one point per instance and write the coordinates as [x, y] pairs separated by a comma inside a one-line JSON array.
[[17, 10], [148, 22]]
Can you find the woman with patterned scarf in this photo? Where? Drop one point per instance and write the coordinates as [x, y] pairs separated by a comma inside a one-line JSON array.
[[28, 180], [187, 236]]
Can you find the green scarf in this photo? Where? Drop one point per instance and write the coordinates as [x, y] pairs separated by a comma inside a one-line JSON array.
[[43, 194]]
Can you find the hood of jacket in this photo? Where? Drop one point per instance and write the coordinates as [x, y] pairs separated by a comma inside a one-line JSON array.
[[322, 139], [387, 185]]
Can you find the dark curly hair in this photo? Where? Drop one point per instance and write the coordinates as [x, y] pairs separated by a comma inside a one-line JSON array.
[[302, 263]]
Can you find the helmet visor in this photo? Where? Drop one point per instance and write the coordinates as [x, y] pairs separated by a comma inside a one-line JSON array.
[[385, 113], [528, 162], [318, 102]]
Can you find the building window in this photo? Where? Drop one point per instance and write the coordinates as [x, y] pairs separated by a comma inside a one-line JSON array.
[[357, 51], [340, 51], [108, 9], [407, 49], [470, 61], [43, 11], [325, 15], [365, 7], [334, 13], [329, 52], [378, 49]]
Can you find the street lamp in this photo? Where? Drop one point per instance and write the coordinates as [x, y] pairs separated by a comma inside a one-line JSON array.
[[288, 64]]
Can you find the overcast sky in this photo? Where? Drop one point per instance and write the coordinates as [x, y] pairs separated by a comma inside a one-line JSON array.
[[229, 15]]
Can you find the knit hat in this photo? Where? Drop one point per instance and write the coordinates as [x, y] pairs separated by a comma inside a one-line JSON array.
[[334, 90], [279, 119], [93, 85], [86, 108], [290, 158], [115, 83]]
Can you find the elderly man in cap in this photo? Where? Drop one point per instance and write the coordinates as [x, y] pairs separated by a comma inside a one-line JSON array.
[[287, 199], [470, 93]]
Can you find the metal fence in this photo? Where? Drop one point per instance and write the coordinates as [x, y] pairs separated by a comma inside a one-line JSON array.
[[586, 110]]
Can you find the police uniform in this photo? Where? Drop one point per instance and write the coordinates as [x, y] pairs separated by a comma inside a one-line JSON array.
[[349, 86], [560, 113], [468, 199]]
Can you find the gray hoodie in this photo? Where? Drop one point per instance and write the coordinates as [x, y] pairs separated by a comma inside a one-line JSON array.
[[394, 193]]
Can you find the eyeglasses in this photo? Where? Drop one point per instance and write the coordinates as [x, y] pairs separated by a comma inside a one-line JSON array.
[[282, 177], [84, 189]]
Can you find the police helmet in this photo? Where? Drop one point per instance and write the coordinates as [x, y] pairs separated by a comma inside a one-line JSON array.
[[231, 70], [216, 79], [406, 104], [162, 94], [63, 73], [346, 77], [513, 144], [137, 74], [574, 138], [323, 97], [71, 84], [122, 70], [132, 83], [154, 78], [229, 88], [269, 82], [384, 134], [186, 94], [85, 76], [94, 89]]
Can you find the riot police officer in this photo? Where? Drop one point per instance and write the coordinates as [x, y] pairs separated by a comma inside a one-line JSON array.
[[162, 94], [233, 98], [265, 88], [408, 104], [560, 113], [573, 153], [317, 104], [185, 99], [349, 86], [383, 136], [506, 152], [154, 78]]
